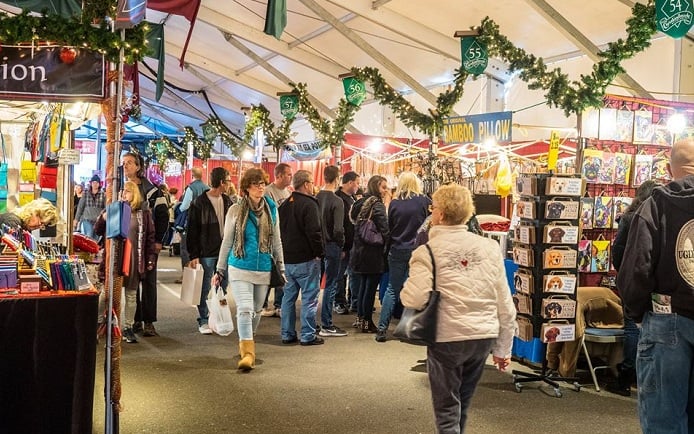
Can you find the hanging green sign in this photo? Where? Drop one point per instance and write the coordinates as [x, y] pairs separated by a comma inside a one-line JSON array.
[[674, 17], [474, 55], [355, 90], [209, 133], [289, 106]]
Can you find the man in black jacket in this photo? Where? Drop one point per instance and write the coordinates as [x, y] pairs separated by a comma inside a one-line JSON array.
[[658, 291], [350, 185], [134, 170], [302, 244], [205, 230]]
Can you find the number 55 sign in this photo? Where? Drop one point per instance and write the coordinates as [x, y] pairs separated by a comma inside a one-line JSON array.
[[674, 17], [474, 55]]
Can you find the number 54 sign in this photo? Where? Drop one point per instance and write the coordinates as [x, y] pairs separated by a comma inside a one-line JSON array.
[[474, 55], [674, 17]]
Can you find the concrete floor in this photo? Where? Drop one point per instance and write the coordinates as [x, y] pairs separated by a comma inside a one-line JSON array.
[[184, 382]]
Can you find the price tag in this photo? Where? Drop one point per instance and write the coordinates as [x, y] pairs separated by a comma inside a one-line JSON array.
[[69, 157]]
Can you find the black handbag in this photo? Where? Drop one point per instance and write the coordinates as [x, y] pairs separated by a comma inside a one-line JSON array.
[[369, 233], [418, 327], [277, 280]]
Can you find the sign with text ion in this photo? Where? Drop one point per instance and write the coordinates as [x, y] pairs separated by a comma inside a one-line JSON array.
[[478, 128], [51, 72]]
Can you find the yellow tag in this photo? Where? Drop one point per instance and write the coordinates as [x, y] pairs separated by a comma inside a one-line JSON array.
[[553, 151]]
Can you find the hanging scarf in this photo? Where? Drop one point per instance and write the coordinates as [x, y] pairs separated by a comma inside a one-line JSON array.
[[262, 214], [140, 243]]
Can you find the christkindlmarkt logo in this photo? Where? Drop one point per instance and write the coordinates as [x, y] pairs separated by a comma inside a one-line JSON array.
[[684, 252], [289, 105], [674, 17], [474, 55]]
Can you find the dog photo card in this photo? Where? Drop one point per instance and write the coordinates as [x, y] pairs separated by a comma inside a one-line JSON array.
[[559, 283], [642, 169], [621, 203], [523, 303], [523, 281], [591, 165], [564, 186], [558, 308], [523, 256], [558, 332], [561, 233], [587, 210], [525, 209], [585, 253], [622, 168], [602, 215], [525, 234], [526, 186], [525, 329], [561, 208], [559, 257], [600, 256]]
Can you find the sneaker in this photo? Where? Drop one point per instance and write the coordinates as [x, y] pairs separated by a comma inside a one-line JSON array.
[[316, 341], [149, 330], [205, 329], [137, 327], [380, 336], [340, 309], [129, 336], [332, 331], [290, 341], [268, 311]]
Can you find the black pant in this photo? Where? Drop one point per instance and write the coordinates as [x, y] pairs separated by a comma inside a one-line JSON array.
[[147, 297], [367, 295]]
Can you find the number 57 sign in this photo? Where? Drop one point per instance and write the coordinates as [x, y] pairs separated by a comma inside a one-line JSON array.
[[674, 17]]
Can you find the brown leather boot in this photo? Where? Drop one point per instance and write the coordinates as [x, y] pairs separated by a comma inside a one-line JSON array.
[[247, 353]]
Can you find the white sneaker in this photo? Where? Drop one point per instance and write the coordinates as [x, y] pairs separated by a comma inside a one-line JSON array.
[[205, 329]]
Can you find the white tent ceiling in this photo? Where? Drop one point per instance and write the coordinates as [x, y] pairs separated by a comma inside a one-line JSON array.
[[410, 41]]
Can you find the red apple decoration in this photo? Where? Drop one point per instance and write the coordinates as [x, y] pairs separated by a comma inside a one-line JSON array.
[[68, 55]]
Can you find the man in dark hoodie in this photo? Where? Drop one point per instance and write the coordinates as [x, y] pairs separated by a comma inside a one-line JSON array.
[[350, 185], [658, 291], [302, 245], [205, 231]]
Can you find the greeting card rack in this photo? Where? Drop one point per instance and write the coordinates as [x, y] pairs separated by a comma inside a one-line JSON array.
[[544, 248]]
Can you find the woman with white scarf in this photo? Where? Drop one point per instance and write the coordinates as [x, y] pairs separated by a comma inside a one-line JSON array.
[[251, 241]]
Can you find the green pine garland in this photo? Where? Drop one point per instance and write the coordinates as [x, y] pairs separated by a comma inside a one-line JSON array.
[[430, 124], [577, 95], [163, 149], [235, 146], [201, 148], [329, 133], [27, 29], [260, 118]]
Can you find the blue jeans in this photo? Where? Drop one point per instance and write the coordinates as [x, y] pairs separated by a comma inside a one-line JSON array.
[[454, 369], [333, 252], [87, 228], [249, 303], [399, 269], [367, 295], [304, 277], [664, 374], [341, 293], [209, 266]]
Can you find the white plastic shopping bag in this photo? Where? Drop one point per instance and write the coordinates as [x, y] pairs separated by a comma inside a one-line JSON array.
[[191, 288], [220, 320]]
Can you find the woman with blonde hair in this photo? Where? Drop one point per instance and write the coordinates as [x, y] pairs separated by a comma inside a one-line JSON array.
[[251, 241], [476, 314], [143, 253], [406, 213], [37, 214]]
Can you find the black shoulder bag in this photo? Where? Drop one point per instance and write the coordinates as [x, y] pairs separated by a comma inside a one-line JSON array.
[[418, 327]]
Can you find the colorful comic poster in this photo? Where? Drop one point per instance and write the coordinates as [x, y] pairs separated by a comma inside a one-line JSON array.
[[584, 255], [587, 207], [659, 169], [602, 215], [642, 169], [643, 127], [592, 164], [606, 173], [622, 168], [621, 204], [600, 258], [625, 125]]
